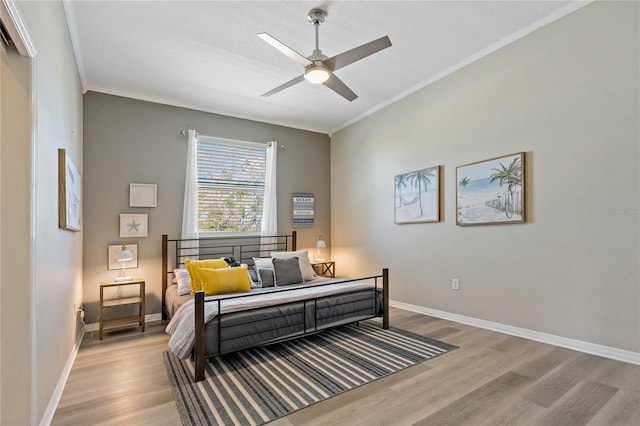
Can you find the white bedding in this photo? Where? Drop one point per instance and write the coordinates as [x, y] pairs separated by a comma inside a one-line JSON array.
[[181, 326]]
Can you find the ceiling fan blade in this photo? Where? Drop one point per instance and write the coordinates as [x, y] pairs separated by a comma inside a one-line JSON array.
[[289, 83], [335, 84], [350, 56], [292, 54]]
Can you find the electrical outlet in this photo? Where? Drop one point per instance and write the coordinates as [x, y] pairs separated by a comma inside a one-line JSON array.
[[455, 284]]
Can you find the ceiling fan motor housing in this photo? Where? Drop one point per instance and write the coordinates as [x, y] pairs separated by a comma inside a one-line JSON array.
[[316, 16]]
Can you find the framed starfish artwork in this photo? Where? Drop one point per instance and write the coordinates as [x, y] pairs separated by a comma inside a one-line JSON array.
[[133, 225]]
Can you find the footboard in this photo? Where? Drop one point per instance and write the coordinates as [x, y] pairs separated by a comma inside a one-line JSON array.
[[312, 323]]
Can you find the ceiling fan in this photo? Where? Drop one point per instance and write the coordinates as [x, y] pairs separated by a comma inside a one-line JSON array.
[[319, 68]]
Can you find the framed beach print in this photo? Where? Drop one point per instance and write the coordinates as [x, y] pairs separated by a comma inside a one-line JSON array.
[[69, 193], [491, 191], [143, 195], [417, 196], [133, 225]]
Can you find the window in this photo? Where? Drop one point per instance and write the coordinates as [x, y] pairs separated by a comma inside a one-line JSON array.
[[231, 186]]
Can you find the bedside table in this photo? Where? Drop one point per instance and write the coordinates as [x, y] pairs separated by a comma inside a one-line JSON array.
[[324, 268], [137, 300]]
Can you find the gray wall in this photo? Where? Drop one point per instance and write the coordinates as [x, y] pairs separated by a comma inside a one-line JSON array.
[[131, 141], [567, 94], [49, 273]]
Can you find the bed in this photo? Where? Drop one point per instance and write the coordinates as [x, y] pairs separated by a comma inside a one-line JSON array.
[[204, 327]]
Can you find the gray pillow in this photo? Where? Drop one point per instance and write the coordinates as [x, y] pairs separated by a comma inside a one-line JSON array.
[[287, 271], [265, 270], [266, 277]]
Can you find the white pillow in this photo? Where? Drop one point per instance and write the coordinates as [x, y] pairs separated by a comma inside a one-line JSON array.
[[306, 270], [183, 279]]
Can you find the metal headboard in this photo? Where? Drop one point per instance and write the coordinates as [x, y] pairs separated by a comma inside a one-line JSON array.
[[242, 248]]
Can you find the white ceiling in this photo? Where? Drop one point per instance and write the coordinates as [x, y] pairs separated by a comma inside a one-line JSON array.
[[205, 55]]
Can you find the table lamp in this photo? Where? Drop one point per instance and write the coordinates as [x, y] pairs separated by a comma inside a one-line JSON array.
[[320, 244], [124, 256]]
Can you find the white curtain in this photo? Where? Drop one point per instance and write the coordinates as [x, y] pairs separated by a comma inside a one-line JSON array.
[[190, 209], [270, 213]]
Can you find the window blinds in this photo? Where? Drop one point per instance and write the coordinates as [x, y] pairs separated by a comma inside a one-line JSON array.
[[230, 186]]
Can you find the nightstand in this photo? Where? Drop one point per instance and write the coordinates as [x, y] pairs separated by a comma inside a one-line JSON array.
[[324, 268], [108, 303]]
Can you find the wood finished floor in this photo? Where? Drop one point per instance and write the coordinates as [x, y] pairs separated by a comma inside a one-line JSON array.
[[492, 379]]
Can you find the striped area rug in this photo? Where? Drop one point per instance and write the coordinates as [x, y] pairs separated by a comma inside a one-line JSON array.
[[261, 384]]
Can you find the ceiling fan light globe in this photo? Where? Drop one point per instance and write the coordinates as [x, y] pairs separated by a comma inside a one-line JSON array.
[[316, 74]]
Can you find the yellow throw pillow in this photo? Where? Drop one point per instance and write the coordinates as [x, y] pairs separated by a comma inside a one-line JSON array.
[[225, 280], [193, 266]]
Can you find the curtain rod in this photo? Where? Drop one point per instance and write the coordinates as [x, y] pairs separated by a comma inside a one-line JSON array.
[[186, 133]]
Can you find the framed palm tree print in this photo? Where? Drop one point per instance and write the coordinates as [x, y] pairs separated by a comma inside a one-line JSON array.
[[491, 191], [417, 196]]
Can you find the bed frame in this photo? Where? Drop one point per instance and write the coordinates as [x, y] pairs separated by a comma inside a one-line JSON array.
[[244, 249]]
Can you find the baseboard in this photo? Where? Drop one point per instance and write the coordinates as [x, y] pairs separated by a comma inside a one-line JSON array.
[[50, 411], [147, 318], [565, 342]]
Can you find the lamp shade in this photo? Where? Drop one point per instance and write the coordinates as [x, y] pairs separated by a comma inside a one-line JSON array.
[[125, 255], [320, 244]]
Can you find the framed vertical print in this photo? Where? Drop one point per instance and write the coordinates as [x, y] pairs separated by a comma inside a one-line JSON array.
[[143, 195], [491, 191], [303, 209], [417, 196], [69, 193], [133, 225]]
